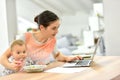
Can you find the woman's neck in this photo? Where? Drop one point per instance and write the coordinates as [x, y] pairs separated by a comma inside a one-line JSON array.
[[39, 37]]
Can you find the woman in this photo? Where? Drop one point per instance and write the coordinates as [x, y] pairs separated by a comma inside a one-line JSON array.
[[41, 44]]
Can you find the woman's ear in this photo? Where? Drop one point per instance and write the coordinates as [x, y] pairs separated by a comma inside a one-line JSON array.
[[41, 27]]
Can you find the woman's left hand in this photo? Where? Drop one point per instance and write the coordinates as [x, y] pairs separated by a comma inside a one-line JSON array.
[[72, 58]]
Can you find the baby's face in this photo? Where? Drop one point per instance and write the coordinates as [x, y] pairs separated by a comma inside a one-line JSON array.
[[19, 52]]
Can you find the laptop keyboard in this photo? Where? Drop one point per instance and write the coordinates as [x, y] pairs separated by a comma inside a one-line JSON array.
[[83, 62]]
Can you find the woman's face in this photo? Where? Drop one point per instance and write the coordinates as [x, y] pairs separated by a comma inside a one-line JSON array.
[[52, 29]]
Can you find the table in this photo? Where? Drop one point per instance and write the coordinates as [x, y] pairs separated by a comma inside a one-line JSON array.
[[103, 68]]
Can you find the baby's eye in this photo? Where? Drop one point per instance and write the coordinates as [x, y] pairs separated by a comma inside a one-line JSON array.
[[24, 51], [18, 52]]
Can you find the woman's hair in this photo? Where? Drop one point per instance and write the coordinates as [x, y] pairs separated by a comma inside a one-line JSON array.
[[17, 42], [45, 18]]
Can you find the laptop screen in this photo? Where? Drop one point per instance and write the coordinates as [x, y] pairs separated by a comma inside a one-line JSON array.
[[96, 46]]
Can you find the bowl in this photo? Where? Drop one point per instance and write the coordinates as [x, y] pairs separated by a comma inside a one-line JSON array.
[[34, 68]]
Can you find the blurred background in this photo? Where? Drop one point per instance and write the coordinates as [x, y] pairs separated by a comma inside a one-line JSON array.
[[82, 21]]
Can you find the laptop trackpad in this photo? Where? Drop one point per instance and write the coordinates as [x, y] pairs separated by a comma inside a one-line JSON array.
[[72, 64]]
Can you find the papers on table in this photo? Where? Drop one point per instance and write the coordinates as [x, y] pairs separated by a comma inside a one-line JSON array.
[[65, 70]]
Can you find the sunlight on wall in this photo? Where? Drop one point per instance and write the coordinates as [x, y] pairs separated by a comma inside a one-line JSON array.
[[24, 24]]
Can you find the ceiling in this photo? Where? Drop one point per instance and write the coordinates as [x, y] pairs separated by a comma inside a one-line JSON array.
[[28, 9], [68, 7]]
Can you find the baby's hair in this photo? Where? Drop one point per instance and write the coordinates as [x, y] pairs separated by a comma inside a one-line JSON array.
[[17, 42]]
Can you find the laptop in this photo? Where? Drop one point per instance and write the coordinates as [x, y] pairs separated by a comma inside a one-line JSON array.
[[86, 62]]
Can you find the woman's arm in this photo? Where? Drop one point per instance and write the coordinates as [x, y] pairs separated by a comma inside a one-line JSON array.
[[5, 62], [4, 58], [60, 57]]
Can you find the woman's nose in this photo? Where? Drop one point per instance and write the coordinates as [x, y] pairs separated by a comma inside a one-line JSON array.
[[56, 31]]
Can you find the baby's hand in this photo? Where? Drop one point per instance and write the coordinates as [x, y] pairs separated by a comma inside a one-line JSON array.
[[16, 65], [19, 62]]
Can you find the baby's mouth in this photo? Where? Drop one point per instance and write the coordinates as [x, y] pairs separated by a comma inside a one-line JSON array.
[[22, 59]]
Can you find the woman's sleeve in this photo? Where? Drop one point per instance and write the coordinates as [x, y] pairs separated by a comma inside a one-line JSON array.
[[21, 36], [55, 51]]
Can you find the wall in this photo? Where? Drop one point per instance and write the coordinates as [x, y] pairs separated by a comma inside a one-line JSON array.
[[30, 9], [112, 26], [8, 23], [73, 24], [11, 19], [69, 24], [3, 27]]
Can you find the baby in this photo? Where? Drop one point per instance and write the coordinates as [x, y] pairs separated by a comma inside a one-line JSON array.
[[18, 56]]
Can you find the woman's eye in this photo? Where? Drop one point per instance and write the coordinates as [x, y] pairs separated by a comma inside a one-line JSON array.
[[54, 28]]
